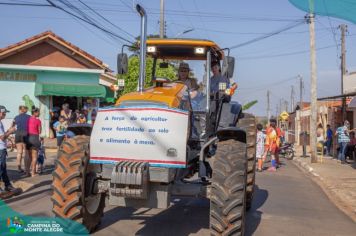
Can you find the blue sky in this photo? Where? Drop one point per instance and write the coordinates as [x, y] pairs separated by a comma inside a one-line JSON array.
[[261, 66]]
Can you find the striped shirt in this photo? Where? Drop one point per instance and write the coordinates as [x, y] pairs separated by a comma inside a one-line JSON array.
[[342, 135]]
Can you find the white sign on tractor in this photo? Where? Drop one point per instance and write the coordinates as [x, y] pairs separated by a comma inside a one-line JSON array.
[[152, 134]]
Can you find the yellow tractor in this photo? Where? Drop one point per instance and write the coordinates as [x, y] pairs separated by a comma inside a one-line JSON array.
[[172, 139]]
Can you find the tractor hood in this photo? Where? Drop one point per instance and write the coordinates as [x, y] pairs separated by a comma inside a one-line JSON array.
[[170, 95]]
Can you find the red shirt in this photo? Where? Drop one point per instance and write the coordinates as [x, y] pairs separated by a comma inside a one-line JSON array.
[[34, 125]]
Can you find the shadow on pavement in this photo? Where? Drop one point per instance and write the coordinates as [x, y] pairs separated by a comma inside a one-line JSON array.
[[186, 216], [253, 218], [27, 195], [14, 175]]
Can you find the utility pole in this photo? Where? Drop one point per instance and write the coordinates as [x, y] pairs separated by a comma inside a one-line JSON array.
[[292, 99], [268, 107], [343, 28], [313, 84], [161, 21], [277, 111], [302, 132], [285, 105]]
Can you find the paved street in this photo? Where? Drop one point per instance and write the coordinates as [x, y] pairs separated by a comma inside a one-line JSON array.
[[286, 203]]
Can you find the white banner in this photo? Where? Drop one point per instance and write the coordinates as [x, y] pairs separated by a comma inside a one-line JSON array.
[[153, 134]]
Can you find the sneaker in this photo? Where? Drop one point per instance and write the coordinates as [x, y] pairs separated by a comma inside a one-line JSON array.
[[4, 194], [9, 188], [272, 169]]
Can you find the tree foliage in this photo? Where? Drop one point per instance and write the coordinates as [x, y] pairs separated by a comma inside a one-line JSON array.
[[132, 77], [249, 105]]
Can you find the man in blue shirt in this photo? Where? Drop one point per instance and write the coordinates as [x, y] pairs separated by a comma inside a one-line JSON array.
[[3, 153], [329, 140], [218, 81]]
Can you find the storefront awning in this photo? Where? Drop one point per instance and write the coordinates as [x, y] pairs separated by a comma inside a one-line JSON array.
[[72, 90], [110, 96]]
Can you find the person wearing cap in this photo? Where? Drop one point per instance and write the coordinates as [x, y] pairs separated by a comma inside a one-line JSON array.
[[218, 81], [3, 152], [21, 122], [183, 75]]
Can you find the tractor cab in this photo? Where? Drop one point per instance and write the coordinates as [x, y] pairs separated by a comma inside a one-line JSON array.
[[191, 88]]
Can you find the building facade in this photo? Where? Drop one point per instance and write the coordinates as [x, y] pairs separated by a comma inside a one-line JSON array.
[[46, 71]]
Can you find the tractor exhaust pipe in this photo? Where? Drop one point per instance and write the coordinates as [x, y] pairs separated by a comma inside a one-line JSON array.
[[141, 81]]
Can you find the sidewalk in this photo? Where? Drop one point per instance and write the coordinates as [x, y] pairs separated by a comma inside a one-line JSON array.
[[19, 180], [337, 180]]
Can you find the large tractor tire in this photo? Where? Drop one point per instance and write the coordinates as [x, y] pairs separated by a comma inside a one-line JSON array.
[[228, 189], [248, 123], [72, 178]]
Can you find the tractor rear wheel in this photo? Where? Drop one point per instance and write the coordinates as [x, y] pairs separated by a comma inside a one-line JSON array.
[[73, 195], [228, 189], [248, 123]]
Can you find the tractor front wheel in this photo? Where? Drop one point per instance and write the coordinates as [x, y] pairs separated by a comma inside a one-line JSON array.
[[228, 189], [73, 179]]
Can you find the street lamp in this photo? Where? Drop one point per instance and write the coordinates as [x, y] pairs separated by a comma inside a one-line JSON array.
[[184, 32]]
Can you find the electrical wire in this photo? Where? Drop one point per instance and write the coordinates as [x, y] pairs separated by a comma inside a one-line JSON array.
[[89, 22], [25, 4], [265, 86], [105, 19], [84, 15], [288, 27], [201, 19], [284, 54]]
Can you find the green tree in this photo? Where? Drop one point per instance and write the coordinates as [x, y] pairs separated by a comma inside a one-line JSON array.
[[131, 78]]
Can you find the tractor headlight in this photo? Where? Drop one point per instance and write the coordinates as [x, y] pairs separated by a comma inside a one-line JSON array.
[[199, 50], [151, 49]]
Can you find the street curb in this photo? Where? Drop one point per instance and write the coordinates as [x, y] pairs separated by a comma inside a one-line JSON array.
[[24, 185], [327, 189]]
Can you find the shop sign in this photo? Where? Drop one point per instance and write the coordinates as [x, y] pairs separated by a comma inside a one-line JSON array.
[[121, 82], [17, 76]]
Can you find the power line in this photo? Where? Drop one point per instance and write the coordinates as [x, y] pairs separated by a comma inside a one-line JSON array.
[[201, 19], [25, 4], [88, 21], [264, 86], [284, 54], [288, 27], [105, 19], [83, 16]]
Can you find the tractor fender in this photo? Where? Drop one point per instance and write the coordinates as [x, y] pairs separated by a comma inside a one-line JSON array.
[[231, 133], [80, 129]]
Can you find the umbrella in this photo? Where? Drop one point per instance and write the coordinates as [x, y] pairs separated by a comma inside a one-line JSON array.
[[344, 9]]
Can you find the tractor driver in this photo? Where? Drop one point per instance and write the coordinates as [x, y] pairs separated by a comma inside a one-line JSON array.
[[191, 83], [183, 75]]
